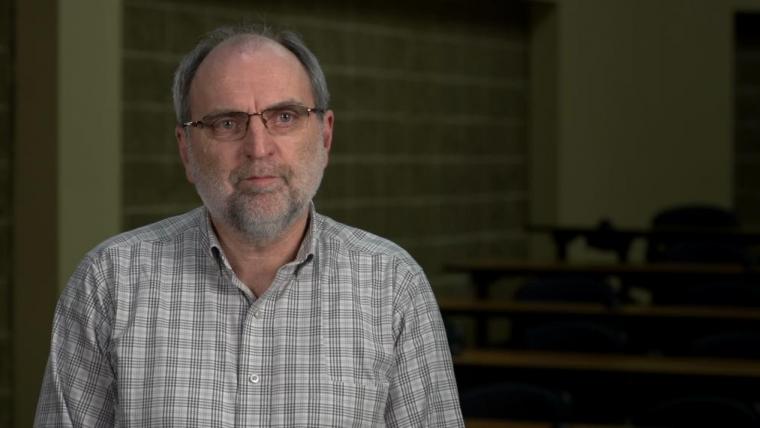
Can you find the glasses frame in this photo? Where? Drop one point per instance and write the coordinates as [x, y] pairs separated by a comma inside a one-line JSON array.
[[204, 122]]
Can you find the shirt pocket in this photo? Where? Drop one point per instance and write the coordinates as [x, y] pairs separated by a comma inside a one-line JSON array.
[[356, 353], [352, 404]]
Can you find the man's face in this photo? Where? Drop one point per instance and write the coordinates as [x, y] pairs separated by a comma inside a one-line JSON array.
[[258, 185]]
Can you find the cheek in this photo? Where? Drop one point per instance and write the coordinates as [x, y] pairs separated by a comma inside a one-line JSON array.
[[311, 158], [314, 151], [215, 159], [208, 164]]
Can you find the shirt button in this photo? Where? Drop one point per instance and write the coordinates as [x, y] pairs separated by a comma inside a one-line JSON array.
[[257, 314], [253, 378]]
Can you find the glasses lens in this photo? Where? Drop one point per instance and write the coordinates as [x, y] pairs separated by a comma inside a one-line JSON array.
[[278, 121], [230, 126], [286, 119]]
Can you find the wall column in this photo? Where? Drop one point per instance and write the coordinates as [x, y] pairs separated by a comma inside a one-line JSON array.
[[66, 164], [89, 161], [35, 202]]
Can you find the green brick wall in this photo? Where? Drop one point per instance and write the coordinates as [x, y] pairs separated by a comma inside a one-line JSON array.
[[430, 101], [747, 120], [6, 219]]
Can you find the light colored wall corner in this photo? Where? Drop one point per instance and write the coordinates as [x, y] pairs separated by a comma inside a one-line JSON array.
[[89, 111], [644, 108]]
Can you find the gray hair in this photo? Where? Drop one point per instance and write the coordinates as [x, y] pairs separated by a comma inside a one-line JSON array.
[[187, 68]]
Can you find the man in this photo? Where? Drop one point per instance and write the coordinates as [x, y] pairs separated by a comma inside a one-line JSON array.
[[252, 310]]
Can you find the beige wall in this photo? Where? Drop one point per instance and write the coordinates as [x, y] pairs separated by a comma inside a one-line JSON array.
[[643, 110], [89, 117]]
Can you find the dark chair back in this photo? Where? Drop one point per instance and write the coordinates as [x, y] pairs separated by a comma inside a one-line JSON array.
[[575, 336], [569, 288], [697, 248], [516, 401], [567, 334], [727, 344], [737, 293], [699, 411]]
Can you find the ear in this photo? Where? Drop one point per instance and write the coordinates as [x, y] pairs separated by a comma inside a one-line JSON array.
[[183, 144], [327, 129]]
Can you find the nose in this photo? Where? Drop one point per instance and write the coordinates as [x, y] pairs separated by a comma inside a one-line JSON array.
[[257, 143]]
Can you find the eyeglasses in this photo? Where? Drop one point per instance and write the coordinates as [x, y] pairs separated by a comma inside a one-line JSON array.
[[232, 126]]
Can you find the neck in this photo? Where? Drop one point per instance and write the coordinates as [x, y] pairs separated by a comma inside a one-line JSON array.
[[256, 262]]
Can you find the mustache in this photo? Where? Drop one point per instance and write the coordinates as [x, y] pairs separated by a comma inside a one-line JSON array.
[[259, 169]]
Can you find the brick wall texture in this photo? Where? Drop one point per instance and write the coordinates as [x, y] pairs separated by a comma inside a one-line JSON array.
[[430, 101], [747, 120], [6, 221]]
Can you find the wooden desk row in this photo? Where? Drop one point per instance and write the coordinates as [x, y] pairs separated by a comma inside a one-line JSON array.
[[498, 423], [633, 317], [485, 271], [618, 363], [503, 267], [610, 388], [606, 237], [509, 307], [620, 382]]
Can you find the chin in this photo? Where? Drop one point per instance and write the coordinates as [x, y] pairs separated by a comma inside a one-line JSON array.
[[263, 209]]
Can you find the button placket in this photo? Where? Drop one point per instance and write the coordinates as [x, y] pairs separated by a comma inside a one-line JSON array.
[[254, 331]]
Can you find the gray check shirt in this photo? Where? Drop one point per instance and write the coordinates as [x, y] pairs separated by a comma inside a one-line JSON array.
[[155, 330]]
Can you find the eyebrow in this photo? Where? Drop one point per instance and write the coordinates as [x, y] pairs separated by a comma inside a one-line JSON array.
[[221, 113], [286, 103], [224, 112]]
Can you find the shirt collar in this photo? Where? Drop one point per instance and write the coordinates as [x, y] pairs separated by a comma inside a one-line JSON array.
[[305, 252], [309, 243]]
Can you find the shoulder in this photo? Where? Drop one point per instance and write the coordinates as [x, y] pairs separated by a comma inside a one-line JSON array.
[[370, 257], [349, 240], [118, 259], [371, 262], [164, 238], [165, 230]]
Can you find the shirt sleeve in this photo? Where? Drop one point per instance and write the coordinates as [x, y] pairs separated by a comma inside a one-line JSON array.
[[422, 389], [78, 389]]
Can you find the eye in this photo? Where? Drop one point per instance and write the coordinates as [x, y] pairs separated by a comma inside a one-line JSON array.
[[284, 117], [225, 124]]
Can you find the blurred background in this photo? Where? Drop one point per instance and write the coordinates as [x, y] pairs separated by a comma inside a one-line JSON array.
[[459, 125]]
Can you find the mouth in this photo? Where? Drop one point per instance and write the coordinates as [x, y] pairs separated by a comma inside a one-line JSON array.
[[263, 179], [259, 178], [261, 183]]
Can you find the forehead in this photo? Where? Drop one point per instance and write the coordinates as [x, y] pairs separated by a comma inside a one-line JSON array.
[[249, 73]]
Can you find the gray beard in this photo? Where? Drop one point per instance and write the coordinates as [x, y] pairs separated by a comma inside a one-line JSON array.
[[257, 230], [239, 212]]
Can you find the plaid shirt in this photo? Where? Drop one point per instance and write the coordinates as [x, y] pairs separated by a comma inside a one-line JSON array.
[[155, 330]]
